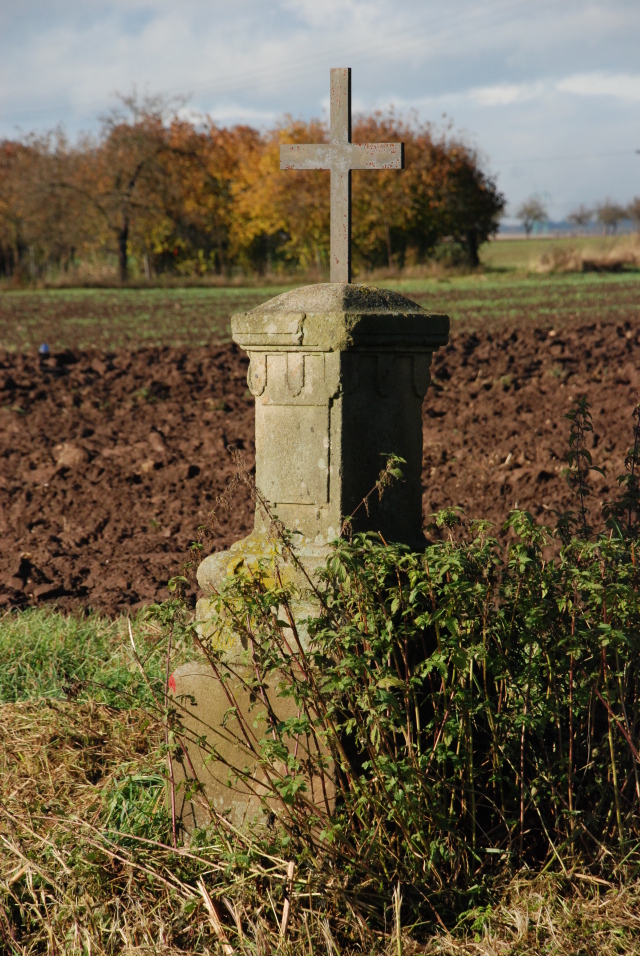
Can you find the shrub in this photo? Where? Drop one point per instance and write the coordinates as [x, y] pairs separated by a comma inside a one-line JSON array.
[[476, 709]]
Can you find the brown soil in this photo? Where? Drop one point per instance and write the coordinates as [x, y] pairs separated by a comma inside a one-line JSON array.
[[109, 462]]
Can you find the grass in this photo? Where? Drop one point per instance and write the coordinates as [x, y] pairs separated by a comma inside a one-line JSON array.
[[475, 302], [82, 788], [505, 291], [523, 254], [120, 318], [128, 318], [45, 654]]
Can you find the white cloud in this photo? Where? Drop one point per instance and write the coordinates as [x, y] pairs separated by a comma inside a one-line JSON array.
[[506, 94], [231, 114], [622, 86]]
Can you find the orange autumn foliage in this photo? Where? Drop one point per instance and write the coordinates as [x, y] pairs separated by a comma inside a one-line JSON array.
[[195, 198], [398, 217]]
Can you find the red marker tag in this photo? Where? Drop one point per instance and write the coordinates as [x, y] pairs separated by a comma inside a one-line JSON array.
[[172, 684]]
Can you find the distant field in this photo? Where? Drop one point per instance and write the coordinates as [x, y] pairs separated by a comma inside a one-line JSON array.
[[524, 254], [475, 302], [117, 318]]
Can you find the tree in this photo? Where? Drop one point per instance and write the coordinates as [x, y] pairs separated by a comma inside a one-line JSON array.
[[38, 225], [443, 193], [197, 198], [531, 213], [580, 217], [15, 164], [281, 218], [633, 212], [473, 205], [398, 217], [122, 176], [609, 214], [202, 166]]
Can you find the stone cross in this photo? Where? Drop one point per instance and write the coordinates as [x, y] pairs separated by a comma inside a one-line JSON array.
[[341, 156], [338, 372]]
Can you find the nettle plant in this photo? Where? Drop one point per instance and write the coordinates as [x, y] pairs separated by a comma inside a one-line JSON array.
[[463, 710]]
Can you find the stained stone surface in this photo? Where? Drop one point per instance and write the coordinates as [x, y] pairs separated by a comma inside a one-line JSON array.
[[339, 373], [237, 795]]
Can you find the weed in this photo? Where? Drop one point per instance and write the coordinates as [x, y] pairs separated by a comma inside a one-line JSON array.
[[622, 514], [580, 465]]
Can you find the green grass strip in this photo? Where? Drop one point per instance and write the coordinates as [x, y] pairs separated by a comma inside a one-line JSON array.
[[44, 653]]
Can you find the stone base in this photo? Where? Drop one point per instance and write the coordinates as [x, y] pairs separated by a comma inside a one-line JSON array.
[[259, 552], [230, 780], [338, 373]]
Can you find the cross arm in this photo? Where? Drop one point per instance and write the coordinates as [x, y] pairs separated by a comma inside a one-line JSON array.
[[299, 156], [377, 156]]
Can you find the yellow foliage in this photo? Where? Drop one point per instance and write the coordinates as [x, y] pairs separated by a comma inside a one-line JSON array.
[[196, 199]]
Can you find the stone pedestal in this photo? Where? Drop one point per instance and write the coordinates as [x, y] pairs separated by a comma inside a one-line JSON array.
[[339, 373]]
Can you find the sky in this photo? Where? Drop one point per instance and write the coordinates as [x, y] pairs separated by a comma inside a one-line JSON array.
[[548, 91]]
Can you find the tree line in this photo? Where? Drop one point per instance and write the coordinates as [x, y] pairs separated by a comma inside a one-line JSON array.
[[608, 215], [168, 195]]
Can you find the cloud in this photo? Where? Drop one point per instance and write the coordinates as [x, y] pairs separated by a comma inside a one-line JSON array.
[[525, 78], [506, 94], [229, 115], [622, 86]]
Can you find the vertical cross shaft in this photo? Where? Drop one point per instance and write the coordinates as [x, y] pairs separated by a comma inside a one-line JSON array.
[[340, 205], [340, 156]]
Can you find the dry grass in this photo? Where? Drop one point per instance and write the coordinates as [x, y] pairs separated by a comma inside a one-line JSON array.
[[545, 914], [79, 780], [521, 255], [625, 254], [87, 864], [58, 755]]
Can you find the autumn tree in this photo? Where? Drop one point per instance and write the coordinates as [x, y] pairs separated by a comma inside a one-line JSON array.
[[201, 165], [122, 175], [609, 214], [397, 216], [281, 218], [192, 197], [443, 193], [580, 217], [531, 213], [38, 226], [15, 167]]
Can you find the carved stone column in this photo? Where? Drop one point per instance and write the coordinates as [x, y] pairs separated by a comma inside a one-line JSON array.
[[339, 373]]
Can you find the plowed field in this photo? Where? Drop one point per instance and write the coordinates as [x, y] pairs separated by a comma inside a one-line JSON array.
[[111, 457]]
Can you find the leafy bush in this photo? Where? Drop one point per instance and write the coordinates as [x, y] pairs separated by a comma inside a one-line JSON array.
[[475, 709], [472, 710]]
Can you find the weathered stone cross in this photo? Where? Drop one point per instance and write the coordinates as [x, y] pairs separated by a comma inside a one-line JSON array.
[[341, 156], [339, 373]]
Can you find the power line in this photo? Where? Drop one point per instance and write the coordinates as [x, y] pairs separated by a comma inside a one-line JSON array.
[[405, 41], [558, 159], [402, 42]]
